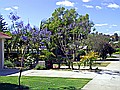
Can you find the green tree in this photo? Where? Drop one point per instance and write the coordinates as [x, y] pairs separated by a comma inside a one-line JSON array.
[[68, 29], [100, 43], [3, 24], [116, 37]]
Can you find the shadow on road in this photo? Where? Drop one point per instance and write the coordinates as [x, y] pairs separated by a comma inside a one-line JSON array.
[[5, 72]]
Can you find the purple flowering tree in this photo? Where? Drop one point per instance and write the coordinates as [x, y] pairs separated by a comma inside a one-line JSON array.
[[68, 30], [27, 40]]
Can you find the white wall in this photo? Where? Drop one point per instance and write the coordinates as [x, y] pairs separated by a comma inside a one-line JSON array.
[[1, 53]]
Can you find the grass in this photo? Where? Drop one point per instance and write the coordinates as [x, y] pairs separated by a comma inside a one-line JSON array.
[[98, 64], [111, 57], [42, 83], [101, 64]]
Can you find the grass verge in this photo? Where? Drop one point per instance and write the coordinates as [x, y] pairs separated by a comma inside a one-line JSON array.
[[101, 64], [97, 64], [42, 83]]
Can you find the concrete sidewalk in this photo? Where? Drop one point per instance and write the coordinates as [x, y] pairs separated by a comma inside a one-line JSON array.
[[55, 73], [108, 79]]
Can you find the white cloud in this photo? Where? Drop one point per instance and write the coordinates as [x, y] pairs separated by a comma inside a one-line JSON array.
[[98, 7], [76, 8], [15, 7], [65, 3], [11, 8], [8, 9], [88, 6], [113, 5], [100, 25], [113, 25], [86, 0]]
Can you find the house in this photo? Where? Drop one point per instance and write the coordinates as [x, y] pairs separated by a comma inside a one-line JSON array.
[[2, 38]]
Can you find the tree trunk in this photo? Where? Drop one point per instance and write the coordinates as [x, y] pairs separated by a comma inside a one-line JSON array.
[[20, 78], [72, 66], [90, 65]]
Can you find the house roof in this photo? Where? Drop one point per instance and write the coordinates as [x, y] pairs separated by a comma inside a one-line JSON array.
[[3, 35]]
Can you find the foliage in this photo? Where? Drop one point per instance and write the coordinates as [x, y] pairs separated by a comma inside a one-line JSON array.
[[8, 63], [45, 83], [115, 37], [26, 40], [106, 49], [46, 55], [63, 32], [89, 58], [100, 43], [95, 40], [80, 53], [39, 67], [117, 51], [29, 61], [68, 29], [3, 24]]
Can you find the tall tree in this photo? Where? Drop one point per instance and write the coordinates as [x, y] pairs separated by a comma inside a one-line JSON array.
[[116, 37], [3, 24], [68, 29]]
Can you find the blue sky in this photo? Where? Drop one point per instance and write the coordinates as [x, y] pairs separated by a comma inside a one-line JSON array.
[[104, 13]]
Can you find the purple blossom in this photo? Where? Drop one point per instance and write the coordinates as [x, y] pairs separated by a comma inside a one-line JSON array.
[[43, 47], [13, 16], [34, 34], [28, 27], [71, 26], [15, 32], [45, 32], [42, 43], [80, 23], [24, 38], [19, 24], [34, 39]]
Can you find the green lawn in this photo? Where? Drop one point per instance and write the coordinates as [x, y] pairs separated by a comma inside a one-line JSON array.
[[97, 64], [101, 64], [42, 83]]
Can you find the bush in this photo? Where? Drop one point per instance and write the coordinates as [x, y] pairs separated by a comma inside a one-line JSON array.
[[117, 49], [80, 53], [8, 63], [39, 67]]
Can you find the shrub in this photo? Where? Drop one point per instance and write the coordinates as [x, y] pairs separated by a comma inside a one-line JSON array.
[[89, 58], [117, 49], [39, 67], [8, 63], [80, 53]]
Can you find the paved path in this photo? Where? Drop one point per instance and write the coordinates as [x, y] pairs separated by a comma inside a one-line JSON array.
[[108, 79]]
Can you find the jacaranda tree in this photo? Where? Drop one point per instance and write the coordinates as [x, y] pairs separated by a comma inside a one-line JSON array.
[[68, 29]]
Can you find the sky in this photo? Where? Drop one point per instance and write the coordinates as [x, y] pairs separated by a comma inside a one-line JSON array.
[[105, 14]]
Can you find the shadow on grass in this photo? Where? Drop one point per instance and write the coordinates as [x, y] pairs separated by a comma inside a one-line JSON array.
[[8, 86], [65, 88]]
